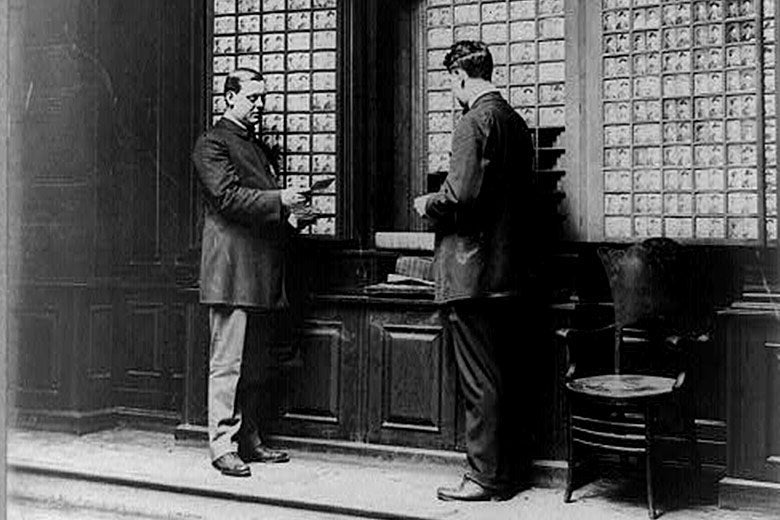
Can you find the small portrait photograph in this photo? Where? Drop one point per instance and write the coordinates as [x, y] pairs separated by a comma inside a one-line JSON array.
[[747, 32], [621, 23], [610, 44], [225, 45], [715, 35], [623, 43], [733, 9], [640, 21], [700, 35], [653, 18], [639, 42], [733, 57], [640, 111], [298, 143], [653, 110], [248, 6], [700, 13], [273, 22], [683, 109], [224, 24], [653, 41], [715, 10], [654, 63], [249, 23]]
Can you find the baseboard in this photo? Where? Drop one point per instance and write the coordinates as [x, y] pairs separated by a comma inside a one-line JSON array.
[[69, 421], [154, 420], [197, 434], [752, 495], [81, 422]]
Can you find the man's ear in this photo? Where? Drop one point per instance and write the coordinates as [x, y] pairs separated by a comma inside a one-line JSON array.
[[462, 77], [229, 97]]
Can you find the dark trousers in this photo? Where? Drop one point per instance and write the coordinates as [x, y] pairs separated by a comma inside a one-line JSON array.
[[486, 354]]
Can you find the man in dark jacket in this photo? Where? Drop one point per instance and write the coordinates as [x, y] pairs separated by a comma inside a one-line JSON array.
[[480, 269], [247, 217]]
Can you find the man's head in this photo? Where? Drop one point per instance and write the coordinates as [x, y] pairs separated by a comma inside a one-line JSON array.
[[245, 95], [468, 62]]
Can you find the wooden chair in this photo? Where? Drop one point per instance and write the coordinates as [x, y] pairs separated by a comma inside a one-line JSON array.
[[620, 376]]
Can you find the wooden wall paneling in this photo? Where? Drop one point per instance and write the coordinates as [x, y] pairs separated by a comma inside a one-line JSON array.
[[175, 346], [752, 478], [35, 331], [314, 389], [754, 375], [772, 411], [139, 361], [197, 118], [194, 409], [53, 231], [100, 345], [132, 62], [176, 127], [321, 396], [412, 379]]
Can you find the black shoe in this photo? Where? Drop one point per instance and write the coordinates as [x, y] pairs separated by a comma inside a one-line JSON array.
[[231, 465], [263, 454], [470, 491]]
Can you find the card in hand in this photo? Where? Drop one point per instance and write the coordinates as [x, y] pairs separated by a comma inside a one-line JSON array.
[[321, 184]]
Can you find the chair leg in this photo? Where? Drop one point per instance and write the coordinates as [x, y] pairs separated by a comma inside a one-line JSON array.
[[649, 456], [569, 467], [570, 455], [569, 482], [693, 457]]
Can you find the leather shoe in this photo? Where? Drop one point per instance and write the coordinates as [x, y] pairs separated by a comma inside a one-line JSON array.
[[231, 465], [471, 491], [263, 454]]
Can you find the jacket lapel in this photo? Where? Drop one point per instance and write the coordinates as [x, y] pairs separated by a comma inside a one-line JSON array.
[[248, 135]]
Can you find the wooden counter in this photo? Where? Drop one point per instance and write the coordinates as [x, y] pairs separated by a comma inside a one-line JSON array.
[[752, 335]]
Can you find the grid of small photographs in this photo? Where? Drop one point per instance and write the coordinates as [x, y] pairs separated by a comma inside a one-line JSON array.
[[526, 39], [293, 42], [680, 113]]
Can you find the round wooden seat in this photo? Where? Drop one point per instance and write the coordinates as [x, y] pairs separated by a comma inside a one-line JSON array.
[[622, 386]]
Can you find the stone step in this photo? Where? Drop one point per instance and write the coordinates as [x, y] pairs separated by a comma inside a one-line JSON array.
[[37, 495]]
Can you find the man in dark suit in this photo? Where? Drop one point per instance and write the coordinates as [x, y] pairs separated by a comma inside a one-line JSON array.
[[480, 269], [247, 217]]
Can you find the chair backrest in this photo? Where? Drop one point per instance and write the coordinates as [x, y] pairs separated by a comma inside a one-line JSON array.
[[648, 289]]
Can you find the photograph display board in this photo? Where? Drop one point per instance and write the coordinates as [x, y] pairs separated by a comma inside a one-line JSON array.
[[294, 44], [689, 125], [526, 39]]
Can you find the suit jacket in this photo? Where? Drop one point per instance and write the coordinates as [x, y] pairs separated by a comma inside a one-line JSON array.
[[242, 256], [484, 203]]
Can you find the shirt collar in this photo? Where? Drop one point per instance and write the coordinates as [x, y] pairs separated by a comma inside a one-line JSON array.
[[474, 97]]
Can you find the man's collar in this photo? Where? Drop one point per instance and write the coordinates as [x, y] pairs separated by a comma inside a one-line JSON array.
[[236, 126], [487, 90], [232, 119]]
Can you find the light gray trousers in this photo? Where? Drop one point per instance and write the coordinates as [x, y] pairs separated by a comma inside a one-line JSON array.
[[232, 398]]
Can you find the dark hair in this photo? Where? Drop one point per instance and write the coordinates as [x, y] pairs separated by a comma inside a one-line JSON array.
[[236, 78], [473, 57]]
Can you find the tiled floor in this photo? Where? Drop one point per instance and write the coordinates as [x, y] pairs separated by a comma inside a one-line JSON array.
[[317, 483]]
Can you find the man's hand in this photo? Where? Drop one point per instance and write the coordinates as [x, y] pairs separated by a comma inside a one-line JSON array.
[[420, 203], [293, 196], [301, 217]]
